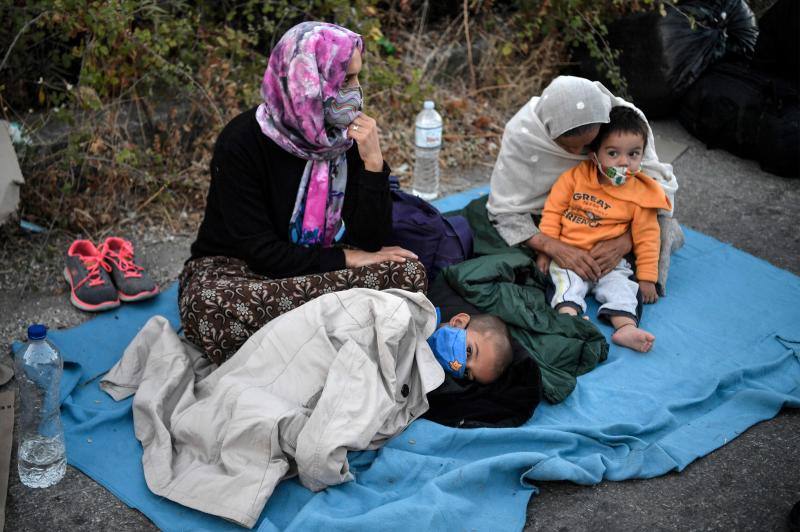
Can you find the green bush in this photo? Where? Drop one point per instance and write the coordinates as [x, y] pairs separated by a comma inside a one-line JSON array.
[[124, 98]]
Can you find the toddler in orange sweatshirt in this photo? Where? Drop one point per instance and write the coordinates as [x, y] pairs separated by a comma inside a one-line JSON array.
[[599, 199]]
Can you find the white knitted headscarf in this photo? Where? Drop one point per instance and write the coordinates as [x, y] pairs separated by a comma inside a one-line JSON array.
[[570, 102]]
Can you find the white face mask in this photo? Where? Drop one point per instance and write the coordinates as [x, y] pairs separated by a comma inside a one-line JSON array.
[[617, 174]]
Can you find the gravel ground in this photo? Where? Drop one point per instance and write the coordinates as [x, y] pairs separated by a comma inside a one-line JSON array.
[[749, 484]]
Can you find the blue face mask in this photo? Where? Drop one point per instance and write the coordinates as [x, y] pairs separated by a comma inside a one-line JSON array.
[[449, 345]]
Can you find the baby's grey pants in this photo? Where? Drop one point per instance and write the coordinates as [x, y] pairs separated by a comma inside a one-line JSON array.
[[615, 292]]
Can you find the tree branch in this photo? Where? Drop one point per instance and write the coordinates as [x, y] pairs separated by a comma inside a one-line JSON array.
[[472, 81], [23, 30]]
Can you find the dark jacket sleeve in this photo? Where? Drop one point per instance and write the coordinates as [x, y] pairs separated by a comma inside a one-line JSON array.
[[367, 210], [244, 210]]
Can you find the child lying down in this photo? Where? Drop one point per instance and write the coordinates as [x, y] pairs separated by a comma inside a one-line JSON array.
[[346, 371], [476, 347]]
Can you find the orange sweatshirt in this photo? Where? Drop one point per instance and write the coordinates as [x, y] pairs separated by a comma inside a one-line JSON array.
[[581, 212]]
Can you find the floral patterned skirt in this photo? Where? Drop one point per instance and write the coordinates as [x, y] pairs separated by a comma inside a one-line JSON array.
[[222, 302]]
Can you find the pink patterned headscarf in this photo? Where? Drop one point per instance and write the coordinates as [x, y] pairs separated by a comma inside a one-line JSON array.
[[306, 67]]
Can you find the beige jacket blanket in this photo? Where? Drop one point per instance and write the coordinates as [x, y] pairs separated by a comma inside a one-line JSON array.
[[348, 370]]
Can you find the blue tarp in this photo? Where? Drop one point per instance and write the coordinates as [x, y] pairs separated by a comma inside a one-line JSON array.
[[727, 355]]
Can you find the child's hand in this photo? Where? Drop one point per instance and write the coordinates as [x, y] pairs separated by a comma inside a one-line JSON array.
[[648, 289], [543, 263]]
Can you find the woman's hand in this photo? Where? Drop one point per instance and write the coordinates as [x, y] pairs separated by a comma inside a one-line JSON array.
[[648, 289], [364, 130], [355, 258], [543, 263], [566, 256], [608, 253]]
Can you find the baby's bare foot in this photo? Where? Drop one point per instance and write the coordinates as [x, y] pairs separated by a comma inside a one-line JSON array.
[[634, 338]]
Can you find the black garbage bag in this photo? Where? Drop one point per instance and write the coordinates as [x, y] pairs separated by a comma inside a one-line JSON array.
[[720, 27], [777, 49], [661, 56], [749, 112], [779, 141], [724, 107]]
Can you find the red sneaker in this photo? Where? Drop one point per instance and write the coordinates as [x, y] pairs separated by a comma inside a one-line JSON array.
[[87, 274], [132, 283]]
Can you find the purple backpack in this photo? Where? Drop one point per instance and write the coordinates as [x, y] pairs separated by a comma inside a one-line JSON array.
[[419, 227]]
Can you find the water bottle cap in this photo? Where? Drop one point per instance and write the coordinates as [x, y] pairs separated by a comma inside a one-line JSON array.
[[37, 331], [428, 104]]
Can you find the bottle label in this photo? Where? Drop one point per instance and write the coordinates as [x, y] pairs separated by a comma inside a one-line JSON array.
[[428, 137]]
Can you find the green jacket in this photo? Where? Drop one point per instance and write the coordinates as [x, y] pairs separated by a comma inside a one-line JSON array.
[[507, 284]]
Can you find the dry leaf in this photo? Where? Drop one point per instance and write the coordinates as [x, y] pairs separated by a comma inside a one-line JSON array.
[[96, 146], [482, 122], [456, 104]]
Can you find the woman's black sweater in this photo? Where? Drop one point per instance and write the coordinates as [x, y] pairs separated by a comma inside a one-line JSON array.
[[253, 190]]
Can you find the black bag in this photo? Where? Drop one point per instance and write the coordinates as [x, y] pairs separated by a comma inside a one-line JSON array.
[[777, 50], [779, 141], [751, 113], [661, 56], [419, 227], [724, 108]]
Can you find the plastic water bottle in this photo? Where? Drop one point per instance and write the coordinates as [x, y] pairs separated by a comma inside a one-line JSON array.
[[42, 455], [428, 141]]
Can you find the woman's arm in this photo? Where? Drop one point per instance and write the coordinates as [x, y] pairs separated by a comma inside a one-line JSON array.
[[520, 229], [513, 227], [364, 130], [367, 214], [238, 195], [367, 210], [566, 256], [608, 253]]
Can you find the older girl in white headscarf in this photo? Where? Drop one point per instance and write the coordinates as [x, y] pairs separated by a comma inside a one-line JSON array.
[[548, 136]]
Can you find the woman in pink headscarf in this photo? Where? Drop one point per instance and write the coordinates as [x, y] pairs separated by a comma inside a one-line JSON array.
[[287, 178]]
